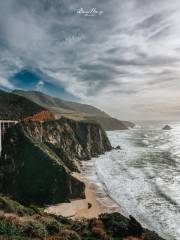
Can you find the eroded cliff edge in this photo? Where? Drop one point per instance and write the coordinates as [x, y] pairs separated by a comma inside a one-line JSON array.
[[38, 159]]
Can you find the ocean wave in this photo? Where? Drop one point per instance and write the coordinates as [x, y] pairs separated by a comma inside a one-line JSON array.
[[144, 180]]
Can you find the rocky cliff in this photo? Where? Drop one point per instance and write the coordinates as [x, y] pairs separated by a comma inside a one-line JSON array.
[[38, 158]]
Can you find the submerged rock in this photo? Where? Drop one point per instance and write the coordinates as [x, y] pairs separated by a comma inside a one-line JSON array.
[[117, 147], [38, 158], [166, 127]]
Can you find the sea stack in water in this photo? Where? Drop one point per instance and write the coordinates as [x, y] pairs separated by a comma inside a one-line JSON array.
[[166, 127], [118, 147]]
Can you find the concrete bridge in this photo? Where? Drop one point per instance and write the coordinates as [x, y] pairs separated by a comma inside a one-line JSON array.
[[4, 125]]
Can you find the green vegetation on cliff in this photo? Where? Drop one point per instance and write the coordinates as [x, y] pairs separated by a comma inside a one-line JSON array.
[[23, 223]]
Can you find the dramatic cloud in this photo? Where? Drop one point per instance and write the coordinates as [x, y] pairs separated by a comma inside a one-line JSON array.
[[4, 83], [124, 59]]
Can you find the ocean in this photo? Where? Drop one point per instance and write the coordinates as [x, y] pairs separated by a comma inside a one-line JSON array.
[[143, 178]]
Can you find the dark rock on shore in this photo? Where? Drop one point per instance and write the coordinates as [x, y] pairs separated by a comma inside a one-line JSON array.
[[37, 159], [166, 127], [119, 226], [117, 147], [134, 228]]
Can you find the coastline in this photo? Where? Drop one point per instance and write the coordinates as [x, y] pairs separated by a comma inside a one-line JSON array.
[[100, 203], [95, 203]]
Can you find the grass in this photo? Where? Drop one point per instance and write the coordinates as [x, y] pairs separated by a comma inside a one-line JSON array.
[[11, 206], [8, 228], [34, 228], [18, 222]]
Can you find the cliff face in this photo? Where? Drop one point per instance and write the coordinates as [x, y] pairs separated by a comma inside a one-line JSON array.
[[70, 140], [38, 158]]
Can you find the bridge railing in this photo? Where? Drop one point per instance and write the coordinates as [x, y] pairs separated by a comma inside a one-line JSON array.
[[4, 125]]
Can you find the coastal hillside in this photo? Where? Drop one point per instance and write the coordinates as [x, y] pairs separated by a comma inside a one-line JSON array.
[[38, 159], [111, 124], [20, 222], [74, 110], [39, 165], [14, 107]]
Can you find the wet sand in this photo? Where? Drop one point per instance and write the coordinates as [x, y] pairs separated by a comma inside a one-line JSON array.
[[89, 207]]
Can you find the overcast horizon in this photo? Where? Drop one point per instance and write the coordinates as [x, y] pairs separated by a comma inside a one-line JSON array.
[[121, 56]]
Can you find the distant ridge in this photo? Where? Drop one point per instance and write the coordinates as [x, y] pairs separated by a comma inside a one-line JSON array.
[[74, 110], [14, 107]]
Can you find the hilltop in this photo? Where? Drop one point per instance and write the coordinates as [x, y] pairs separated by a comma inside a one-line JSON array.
[[74, 110], [16, 107]]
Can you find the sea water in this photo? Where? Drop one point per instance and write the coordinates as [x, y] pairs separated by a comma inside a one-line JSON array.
[[143, 178]]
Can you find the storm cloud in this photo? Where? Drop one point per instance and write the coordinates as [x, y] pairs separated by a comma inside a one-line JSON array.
[[125, 60]]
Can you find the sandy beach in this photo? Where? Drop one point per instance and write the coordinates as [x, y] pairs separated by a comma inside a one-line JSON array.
[[89, 207]]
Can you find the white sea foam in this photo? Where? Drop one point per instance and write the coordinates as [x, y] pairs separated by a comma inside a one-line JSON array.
[[144, 179]]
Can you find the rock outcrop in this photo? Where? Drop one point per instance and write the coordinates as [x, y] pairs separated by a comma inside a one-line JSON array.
[[38, 158], [40, 116], [120, 227], [166, 127]]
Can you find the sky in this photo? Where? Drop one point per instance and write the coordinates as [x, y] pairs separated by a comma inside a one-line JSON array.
[[122, 56]]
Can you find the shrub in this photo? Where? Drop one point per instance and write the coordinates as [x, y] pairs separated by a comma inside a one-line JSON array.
[[8, 228], [67, 234], [28, 211], [36, 209], [97, 229], [99, 233], [64, 220], [80, 226], [115, 224], [53, 227], [11, 206], [33, 228]]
